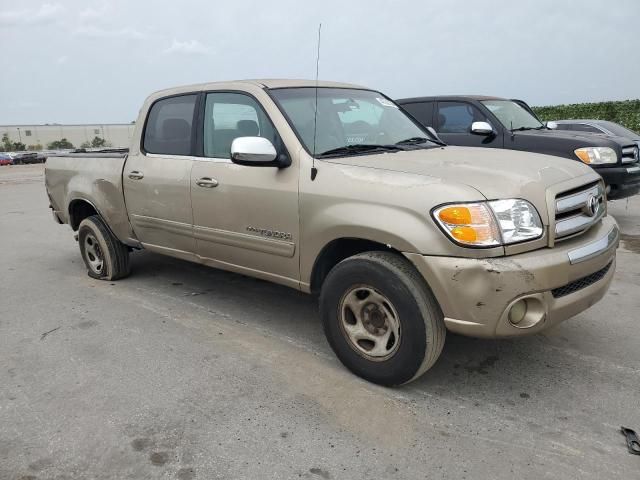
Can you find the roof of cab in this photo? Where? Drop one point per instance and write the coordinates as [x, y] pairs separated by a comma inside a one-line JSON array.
[[447, 97], [270, 83], [289, 83]]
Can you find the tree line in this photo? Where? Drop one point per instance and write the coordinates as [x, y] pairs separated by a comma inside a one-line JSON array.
[[7, 145], [625, 112]]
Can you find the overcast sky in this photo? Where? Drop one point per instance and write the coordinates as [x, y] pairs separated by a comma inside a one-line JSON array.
[[80, 61]]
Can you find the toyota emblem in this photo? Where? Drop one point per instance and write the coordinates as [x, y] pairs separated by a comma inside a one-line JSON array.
[[593, 205]]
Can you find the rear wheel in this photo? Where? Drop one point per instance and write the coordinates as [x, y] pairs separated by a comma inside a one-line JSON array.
[[104, 255], [381, 319]]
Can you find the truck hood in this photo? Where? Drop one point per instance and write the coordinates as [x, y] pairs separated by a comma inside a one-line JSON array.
[[493, 172], [585, 139]]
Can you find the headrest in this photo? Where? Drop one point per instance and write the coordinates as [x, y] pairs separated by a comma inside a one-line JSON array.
[[248, 128], [175, 129]]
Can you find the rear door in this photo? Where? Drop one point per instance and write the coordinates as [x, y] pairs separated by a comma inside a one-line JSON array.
[[157, 180], [245, 217], [453, 120]]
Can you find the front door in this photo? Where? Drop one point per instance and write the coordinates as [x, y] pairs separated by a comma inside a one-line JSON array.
[[245, 218], [453, 123], [157, 181]]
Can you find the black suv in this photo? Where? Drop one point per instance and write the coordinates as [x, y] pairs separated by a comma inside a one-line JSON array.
[[478, 121]]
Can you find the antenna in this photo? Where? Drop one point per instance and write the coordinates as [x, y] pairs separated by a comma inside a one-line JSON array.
[[314, 170]]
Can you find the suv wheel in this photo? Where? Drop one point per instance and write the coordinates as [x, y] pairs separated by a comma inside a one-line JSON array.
[[104, 255], [381, 319]]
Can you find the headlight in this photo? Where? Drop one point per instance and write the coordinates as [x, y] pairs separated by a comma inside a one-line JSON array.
[[596, 155], [469, 224], [490, 224], [518, 220]]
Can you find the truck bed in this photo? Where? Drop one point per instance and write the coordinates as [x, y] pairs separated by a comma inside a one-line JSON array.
[[94, 178], [102, 153]]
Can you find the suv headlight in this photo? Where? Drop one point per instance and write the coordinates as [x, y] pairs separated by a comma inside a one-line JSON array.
[[490, 224], [596, 155]]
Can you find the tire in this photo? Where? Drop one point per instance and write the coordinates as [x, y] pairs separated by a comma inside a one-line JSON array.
[[364, 301], [105, 257]]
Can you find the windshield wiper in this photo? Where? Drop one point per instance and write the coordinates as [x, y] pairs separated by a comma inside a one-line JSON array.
[[418, 140], [412, 141], [360, 148]]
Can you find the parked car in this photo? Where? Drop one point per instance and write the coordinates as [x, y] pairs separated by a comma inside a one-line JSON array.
[[502, 123], [332, 189], [24, 158], [5, 159], [605, 127]]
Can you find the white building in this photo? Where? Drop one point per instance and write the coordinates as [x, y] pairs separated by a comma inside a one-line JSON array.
[[116, 135]]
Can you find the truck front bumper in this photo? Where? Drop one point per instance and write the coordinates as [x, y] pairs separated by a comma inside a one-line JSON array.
[[478, 296], [624, 181]]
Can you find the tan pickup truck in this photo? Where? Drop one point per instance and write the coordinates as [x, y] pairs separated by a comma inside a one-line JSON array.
[[330, 188]]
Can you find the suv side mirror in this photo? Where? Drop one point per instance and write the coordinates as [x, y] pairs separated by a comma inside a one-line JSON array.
[[551, 125], [254, 152], [481, 128]]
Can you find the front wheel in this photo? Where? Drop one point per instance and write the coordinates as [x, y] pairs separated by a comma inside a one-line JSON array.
[[381, 319], [104, 255]]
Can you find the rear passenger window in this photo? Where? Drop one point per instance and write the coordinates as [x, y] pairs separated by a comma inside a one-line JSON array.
[[423, 112], [229, 116], [168, 128]]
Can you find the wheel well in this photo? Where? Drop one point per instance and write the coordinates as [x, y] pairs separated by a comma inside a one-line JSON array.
[[336, 251], [78, 211]]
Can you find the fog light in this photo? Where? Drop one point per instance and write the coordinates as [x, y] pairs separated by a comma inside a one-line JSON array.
[[517, 311]]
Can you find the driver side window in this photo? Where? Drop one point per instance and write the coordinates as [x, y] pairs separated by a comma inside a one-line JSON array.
[[457, 117], [232, 115]]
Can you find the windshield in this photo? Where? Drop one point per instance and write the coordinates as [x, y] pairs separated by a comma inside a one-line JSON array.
[[512, 115], [620, 130], [346, 118]]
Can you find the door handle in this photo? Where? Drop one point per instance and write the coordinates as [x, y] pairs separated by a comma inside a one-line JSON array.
[[207, 182], [136, 175]]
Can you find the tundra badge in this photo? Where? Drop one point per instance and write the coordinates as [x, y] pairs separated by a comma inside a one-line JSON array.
[[267, 232]]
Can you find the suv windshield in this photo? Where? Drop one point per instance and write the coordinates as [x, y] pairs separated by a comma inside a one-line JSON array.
[[350, 121], [619, 130], [512, 115]]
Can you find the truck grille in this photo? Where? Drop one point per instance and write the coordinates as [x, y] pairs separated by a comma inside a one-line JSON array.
[[578, 209], [581, 283], [630, 154]]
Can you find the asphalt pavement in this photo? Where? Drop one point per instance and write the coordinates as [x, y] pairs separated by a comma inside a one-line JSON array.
[[185, 372]]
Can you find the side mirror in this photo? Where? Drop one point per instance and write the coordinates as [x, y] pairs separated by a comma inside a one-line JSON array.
[[481, 128], [551, 125], [253, 151]]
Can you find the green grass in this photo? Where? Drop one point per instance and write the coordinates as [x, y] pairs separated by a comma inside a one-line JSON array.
[[625, 112]]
